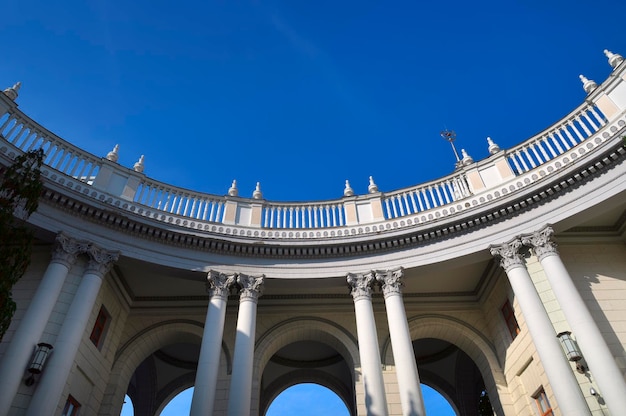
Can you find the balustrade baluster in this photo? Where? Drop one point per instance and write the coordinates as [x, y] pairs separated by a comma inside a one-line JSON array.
[[432, 196], [212, 214], [584, 126], [10, 133], [528, 157], [412, 195], [590, 120], [303, 219], [278, 215], [575, 129], [387, 208], [438, 194], [290, 217], [266, 213], [546, 142], [6, 123], [205, 209], [394, 202], [446, 191], [520, 157], [341, 216], [425, 197], [532, 147], [405, 203], [315, 223], [334, 211], [33, 142], [327, 216], [597, 116], [309, 209], [419, 199]]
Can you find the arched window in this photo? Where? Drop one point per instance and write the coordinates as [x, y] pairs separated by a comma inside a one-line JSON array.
[[307, 399]]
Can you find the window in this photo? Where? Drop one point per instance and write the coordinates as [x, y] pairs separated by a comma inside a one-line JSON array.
[[509, 318], [71, 407], [543, 406], [100, 327]]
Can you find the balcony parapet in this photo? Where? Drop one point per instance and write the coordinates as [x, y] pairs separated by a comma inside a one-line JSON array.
[[505, 172]]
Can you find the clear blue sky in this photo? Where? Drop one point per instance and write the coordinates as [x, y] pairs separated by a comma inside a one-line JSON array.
[[302, 95]]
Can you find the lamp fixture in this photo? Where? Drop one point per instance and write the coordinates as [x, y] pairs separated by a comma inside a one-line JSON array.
[[572, 352], [39, 360]]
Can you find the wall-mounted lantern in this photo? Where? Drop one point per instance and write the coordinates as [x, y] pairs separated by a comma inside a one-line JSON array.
[[572, 352], [39, 360]]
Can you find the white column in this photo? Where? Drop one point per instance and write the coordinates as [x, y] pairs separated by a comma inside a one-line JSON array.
[[203, 400], [54, 377], [240, 393], [28, 334], [588, 336], [371, 369], [401, 344], [564, 385]]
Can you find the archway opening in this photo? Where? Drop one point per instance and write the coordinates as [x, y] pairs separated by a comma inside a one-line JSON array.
[[449, 371], [127, 408], [179, 405], [307, 363], [163, 376], [435, 403], [308, 399]]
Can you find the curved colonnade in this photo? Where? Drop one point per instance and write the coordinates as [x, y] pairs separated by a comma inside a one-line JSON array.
[[456, 282]]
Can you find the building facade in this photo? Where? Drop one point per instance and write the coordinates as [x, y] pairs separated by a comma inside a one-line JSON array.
[[139, 287]]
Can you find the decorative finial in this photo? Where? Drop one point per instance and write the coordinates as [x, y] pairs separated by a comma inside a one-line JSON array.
[[614, 58], [493, 148], [257, 192], [372, 188], [12, 92], [588, 84], [347, 191], [467, 159], [232, 191], [113, 155], [138, 167]]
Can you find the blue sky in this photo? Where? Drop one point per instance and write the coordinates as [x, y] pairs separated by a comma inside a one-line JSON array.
[[302, 95], [303, 400]]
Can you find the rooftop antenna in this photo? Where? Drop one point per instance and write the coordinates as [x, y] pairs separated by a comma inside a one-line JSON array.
[[450, 136]]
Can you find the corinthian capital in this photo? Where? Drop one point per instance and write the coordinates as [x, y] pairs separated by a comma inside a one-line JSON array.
[[100, 260], [66, 249], [360, 285], [391, 281], [541, 243], [218, 284], [251, 286], [509, 254]]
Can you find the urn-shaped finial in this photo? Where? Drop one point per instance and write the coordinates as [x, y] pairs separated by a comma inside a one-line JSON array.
[[372, 188], [257, 194], [614, 58], [467, 159], [347, 191], [588, 84], [232, 191], [113, 155], [493, 148], [12, 92], [139, 166]]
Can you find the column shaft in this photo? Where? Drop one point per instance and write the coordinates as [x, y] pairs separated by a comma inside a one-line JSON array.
[[588, 336], [558, 370], [203, 401], [401, 344], [28, 334], [369, 354], [240, 393], [54, 377]]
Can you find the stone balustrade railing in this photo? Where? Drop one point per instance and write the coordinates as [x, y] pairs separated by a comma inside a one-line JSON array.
[[573, 129], [594, 122]]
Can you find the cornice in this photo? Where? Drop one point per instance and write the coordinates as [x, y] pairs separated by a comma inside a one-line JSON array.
[[517, 202]]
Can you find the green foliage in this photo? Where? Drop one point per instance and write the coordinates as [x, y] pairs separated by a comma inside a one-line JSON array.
[[20, 188]]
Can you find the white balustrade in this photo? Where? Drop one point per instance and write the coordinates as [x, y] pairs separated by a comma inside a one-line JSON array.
[[574, 128], [187, 208]]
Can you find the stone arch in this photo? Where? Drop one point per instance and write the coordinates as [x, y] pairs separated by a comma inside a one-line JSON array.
[[468, 339], [303, 329], [141, 345]]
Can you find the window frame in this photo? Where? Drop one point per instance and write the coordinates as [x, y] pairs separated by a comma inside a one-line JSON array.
[[541, 400], [508, 314], [72, 406], [100, 327]]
